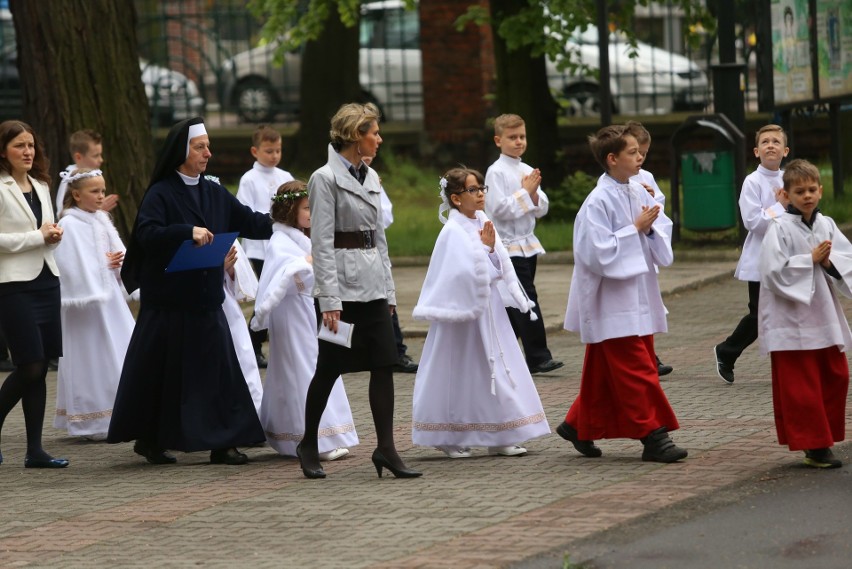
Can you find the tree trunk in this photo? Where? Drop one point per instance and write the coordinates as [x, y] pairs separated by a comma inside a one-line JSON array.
[[329, 79], [522, 89], [79, 68]]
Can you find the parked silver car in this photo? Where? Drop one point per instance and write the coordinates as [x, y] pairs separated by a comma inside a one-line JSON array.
[[258, 89]]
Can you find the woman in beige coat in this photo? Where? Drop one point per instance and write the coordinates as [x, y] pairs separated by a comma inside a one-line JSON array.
[[353, 283], [29, 283]]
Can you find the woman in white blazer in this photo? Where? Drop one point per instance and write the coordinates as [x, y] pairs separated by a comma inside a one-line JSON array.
[[352, 283], [29, 283]]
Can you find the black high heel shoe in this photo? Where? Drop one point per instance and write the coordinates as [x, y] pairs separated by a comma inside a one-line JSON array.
[[309, 472], [379, 461]]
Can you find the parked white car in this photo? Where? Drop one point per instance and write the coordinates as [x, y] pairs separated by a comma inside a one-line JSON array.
[[656, 81], [258, 89]]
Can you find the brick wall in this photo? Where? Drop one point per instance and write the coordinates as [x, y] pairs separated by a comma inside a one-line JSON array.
[[458, 73]]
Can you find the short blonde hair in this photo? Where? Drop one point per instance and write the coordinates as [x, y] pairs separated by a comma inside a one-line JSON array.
[[769, 128], [799, 171], [503, 122], [351, 122]]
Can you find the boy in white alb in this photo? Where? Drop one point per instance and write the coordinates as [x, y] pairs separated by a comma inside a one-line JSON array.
[[646, 180], [804, 261], [620, 234], [257, 186], [513, 203], [86, 148], [761, 200]]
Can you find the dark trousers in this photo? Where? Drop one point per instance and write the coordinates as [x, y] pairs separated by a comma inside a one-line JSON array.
[[257, 337], [397, 335], [530, 332], [746, 331], [4, 349]]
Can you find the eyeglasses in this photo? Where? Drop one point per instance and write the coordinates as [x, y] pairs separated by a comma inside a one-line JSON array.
[[474, 190]]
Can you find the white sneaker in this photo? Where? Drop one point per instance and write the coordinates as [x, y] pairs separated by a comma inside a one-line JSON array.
[[455, 452], [334, 454], [510, 450]]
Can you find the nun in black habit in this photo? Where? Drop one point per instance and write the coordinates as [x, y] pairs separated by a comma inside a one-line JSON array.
[[181, 386]]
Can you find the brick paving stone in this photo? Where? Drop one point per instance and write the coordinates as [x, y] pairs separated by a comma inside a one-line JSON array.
[[110, 508]]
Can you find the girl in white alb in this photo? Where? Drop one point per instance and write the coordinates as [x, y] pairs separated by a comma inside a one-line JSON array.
[[473, 387], [285, 306], [96, 321]]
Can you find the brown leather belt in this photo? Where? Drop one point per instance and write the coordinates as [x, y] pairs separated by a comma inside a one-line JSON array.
[[355, 239]]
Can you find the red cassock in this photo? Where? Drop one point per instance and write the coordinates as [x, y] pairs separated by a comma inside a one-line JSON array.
[[809, 397], [620, 394]]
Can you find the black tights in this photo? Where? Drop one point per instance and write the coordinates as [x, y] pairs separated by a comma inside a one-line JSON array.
[[26, 384], [381, 404]]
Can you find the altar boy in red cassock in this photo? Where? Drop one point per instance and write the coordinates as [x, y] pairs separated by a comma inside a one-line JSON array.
[[804, 260], [620, 233]]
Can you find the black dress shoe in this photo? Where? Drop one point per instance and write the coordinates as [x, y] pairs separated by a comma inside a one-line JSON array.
[[584, 447], [229, 456], [153, 455], [30, 462], [724, 370], [262, 363], [545, 367], [663, 369], [405, 365]]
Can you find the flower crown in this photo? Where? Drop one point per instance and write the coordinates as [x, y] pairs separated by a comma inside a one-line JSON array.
[[286, 196], [70, 178]]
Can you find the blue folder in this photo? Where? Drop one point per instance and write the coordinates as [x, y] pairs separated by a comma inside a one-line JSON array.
[[189, 257]]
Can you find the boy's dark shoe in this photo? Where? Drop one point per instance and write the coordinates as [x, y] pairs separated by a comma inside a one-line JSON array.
[[6, 365], [586, 448], [663, 369], [822, 458], [261, 361], [405, 365], [152, 454], [659, 447], [545, 367], [723, 369]]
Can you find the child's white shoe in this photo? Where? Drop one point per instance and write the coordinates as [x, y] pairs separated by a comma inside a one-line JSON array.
[[455, 452], [333, 454], [510, 450]]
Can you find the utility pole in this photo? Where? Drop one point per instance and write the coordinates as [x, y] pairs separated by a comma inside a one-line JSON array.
[[728, 98]]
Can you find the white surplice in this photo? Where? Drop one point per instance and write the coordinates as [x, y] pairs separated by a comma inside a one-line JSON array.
[[257, 186], [243, 288], [798, 308], [473, 387], [614, 291], [758, 207], [96, 323], [285, 306]]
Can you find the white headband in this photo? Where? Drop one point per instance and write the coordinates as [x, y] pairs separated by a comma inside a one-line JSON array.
[[70, 178], [194, 130]]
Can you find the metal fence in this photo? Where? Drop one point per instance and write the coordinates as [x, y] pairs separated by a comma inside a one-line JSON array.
[[207, 57]]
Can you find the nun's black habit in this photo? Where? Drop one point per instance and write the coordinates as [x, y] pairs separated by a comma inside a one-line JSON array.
[[181, 386]]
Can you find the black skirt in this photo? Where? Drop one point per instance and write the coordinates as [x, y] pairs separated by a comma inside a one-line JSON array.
[[31, 324], [181, 385], [373, 343]]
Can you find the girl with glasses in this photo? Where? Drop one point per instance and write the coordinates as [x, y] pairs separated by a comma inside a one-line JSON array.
[[473, 387]]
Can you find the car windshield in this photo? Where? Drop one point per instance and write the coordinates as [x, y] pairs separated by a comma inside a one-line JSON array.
[[389, 29]]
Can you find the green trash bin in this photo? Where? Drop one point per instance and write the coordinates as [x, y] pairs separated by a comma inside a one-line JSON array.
[[709, 196]]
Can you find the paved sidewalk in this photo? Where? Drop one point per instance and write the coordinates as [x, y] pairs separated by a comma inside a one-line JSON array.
[[109, 508]]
